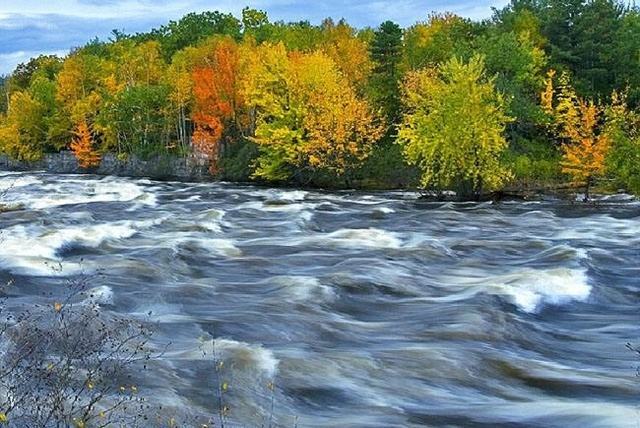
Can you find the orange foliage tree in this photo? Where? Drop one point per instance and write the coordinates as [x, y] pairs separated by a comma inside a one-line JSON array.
[[217, 99], [349, 52], [577, 122], [82, 147]]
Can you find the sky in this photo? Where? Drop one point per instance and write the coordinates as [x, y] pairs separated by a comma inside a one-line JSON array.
[[32, 27]]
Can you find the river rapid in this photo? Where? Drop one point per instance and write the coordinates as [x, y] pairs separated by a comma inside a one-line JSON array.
[[366, 309]]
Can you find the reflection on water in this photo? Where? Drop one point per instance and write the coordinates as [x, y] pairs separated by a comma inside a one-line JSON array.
[[368, 309]]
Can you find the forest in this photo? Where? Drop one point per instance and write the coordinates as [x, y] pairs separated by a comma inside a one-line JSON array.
[[543, 92]]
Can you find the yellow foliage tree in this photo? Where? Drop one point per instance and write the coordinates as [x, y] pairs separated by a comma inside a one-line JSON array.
[[23, 129], [309, 116], [453, 128], [82, 147], [348, 52], [577, 122]]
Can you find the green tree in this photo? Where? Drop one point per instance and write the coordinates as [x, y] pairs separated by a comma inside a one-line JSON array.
[[386, 53], [623, 129], [626, 54], [191, 29], [430, 43], [142, 120], [596, 28], [4, 94], [46, 66], [454, 128], [255, 24], [518, 66]]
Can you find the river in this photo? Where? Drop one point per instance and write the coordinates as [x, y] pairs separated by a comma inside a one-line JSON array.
[[366, 309]]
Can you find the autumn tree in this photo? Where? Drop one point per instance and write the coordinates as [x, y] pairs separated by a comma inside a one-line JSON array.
[[80, 93], [83, 148], [454, 127], [577, 123], [137, 117], [218, 101], [136, 64], [348, 51], [309, 117], [24, 131]]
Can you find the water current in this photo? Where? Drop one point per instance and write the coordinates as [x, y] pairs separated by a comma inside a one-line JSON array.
[[366, 309]]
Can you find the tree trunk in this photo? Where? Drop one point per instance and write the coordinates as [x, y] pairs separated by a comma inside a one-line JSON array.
[[587, 187]]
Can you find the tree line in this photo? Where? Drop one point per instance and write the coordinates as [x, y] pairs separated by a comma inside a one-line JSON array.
[[544, 91]]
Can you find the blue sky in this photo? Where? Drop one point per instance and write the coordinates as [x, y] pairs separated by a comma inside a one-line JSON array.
[[32, 27]]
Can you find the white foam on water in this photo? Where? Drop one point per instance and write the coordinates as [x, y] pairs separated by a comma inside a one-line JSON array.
[[10, 182], [530, 289], [304, 288], [385, 210], [280, 195], [533, 412], [242, 356], [33, 250], [101, 295], [292, 195], [212, 220], [72, 192], [221, 247], [254, 356], [306, 216], [359, 238], [287, 206]]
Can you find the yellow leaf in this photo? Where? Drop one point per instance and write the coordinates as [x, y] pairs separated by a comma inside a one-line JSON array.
[[3, 418], [57, 306]]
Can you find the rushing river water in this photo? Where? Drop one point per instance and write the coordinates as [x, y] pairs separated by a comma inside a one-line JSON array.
[[368, 310]]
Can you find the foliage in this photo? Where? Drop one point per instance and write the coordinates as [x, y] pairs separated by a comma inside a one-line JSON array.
[[142, 120], [623, 129], [308, 115], [192, 29], [533, 162], [577, 123], [518, 67], [83, 148], [205, 83], [24, 130], [348, 51], [430, 43], [219, 105], [449, 155], [386, 54]]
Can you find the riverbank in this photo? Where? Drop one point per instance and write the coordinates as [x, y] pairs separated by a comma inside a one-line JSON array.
[[182, 168], [194, 168]]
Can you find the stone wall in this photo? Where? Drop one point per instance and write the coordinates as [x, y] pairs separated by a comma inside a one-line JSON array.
[[189, 168]]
